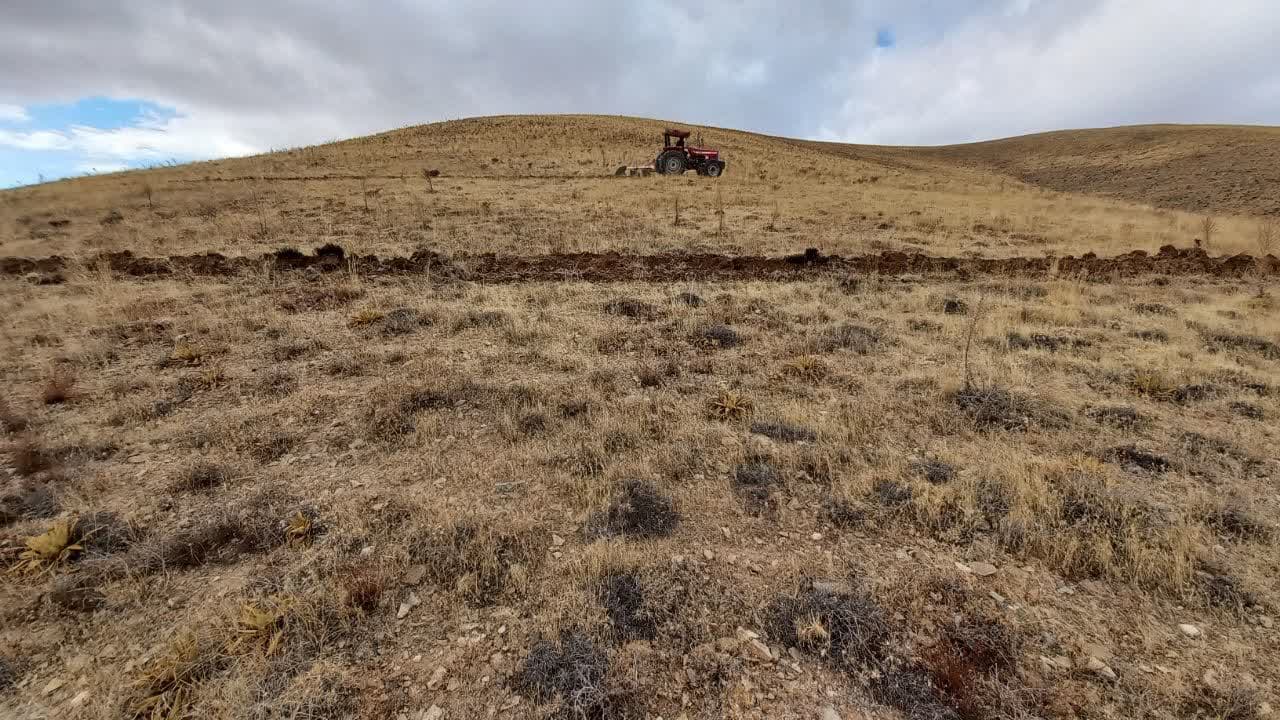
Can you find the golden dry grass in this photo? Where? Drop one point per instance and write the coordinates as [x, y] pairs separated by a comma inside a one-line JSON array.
[[535, 184]]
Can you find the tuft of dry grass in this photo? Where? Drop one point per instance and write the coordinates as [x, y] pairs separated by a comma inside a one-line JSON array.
[[58, 388], [731, 405]]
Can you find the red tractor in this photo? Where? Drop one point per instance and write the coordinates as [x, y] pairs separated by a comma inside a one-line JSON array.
[[677, 156]]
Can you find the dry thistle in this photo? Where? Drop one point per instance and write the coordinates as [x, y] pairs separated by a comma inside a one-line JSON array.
[[1208, 226], [186, 353], [367, 316], [808, 367], [299, 529], [260, 628], [1153, 384], [50, 548], [167, 683], [731, 405]]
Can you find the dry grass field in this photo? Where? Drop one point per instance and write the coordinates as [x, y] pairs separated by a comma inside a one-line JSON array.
[[448, 488]]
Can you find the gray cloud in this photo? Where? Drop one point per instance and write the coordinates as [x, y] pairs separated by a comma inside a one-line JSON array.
[[249, 75]]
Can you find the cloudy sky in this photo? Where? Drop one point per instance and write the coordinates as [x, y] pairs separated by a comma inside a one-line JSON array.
[[98, 85]]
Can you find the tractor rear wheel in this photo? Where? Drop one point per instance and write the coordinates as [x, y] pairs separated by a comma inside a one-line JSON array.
[[673, 164], [714, 168]]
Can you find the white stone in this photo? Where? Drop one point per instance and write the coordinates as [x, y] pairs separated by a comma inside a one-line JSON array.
[[982, 569], [1190, 631], [1100, 668]]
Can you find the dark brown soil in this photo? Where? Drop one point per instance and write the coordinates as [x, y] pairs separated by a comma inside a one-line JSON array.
[[664, 267]]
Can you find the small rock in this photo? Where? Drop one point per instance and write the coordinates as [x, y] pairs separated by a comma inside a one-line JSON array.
[[1190, 631], [436, 677], [556, 540], [53, 686], [1097, 651], [414, 574], [1266, 621], [1057, 662], [816, 536], [408, 605], [366, 551], [708, 554], [1100, 668], [433, 713], [79, 699], [760, 651], [829, 713], [982, 569]]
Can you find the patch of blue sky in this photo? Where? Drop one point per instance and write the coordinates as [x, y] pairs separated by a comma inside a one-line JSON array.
[[24, 161]]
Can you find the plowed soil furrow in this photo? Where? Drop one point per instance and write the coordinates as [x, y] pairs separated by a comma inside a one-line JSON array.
[[621, 267]]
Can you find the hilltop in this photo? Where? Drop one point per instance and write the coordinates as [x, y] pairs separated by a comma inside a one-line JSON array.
[[544, 184]]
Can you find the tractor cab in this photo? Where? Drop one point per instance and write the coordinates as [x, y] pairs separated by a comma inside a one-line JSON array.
[[674, 138]]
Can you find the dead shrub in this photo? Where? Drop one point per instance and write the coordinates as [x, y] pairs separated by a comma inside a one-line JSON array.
[[480, 561], [783, 431], [277, 383], [28, 458], [1234, 519], [1208, 702], [320, 298], [270, 445], [857, 339], [287, 352], [690, 299], [630, 617], [104, 533], [8, 675], [639, 511], [204, 476], [28, 500], [836, 622], [574, 671], [363, 587], [933, 470], [403, 321], [1123, 417], [1135, 458], [347, 365], [1151, 335], [910, 688], [1217, 340], [58, 388], [754, 483], [1154, 309], [477, 319], [11, 422], [630, 307], [1249, 411], [721, 337], [994, 408]]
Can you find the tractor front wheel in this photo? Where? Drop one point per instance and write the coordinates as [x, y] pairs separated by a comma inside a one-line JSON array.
[[714, 168], [673, 164]]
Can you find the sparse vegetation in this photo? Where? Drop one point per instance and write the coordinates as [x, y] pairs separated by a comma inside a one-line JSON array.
[[527, 448]]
